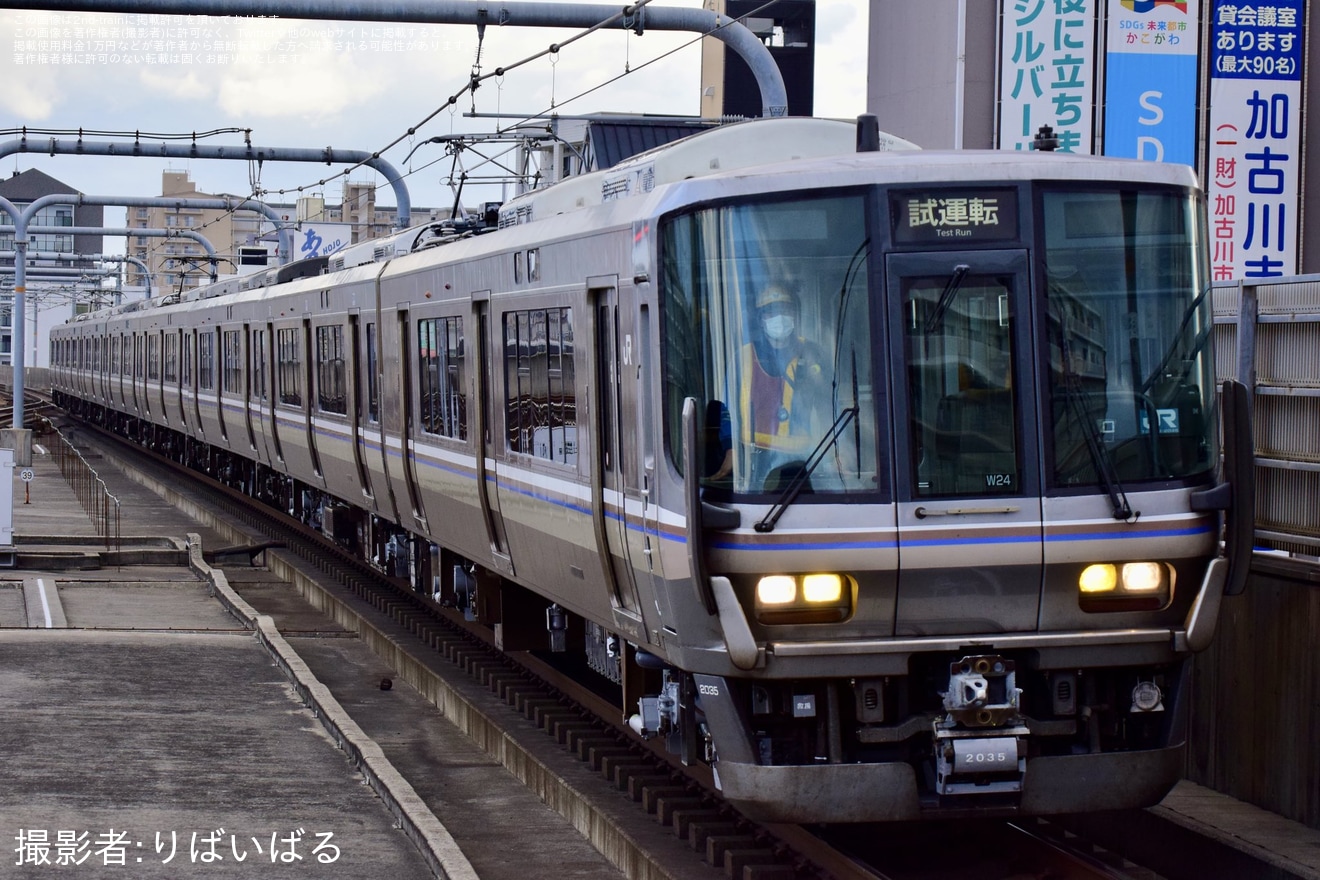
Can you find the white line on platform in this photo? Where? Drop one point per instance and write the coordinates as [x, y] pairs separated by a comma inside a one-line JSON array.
[[45, 606]]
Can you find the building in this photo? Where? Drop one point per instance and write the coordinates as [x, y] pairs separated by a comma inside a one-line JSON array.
[[1220, 85], [788, 30], [178, 264], [64, 272], [241, 238]]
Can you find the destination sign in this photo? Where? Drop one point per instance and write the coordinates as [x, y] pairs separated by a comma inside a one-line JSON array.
[[953, 216]]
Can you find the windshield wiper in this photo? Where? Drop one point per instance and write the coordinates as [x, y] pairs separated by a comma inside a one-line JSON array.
[[946, 297], [794, 487], [1100, 458], [1198, 343]]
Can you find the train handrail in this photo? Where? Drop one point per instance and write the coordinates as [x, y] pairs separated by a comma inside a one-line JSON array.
[[100, 504]]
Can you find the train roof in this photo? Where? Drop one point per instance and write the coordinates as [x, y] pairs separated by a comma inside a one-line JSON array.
[[745, 158], [740, 145]]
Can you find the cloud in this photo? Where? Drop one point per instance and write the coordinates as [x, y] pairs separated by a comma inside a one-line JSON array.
[[841, 52], [184, 88], [29, 97]]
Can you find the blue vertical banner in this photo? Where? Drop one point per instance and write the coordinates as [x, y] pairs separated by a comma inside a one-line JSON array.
[[1254, 170], [1047, 73], [1150, 80]]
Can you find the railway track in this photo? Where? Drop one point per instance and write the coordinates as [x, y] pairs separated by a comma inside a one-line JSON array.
[[591, 726]]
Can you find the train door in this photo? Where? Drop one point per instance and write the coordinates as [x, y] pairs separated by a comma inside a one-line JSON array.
[[248, 385], [216, 343], [487, 477], [309, 371], [194, 373], [259, 383], [268, 404], [408, 405], [156, 372], [370, 404], [138, 374], [969, 511], [356, 409], [609, 498], [99, 381], [181, 373], [117, 371]]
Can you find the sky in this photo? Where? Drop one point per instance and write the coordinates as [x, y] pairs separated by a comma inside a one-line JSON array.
[[312, 84]]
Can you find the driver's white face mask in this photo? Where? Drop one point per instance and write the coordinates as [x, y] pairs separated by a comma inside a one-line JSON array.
[[779, 327]]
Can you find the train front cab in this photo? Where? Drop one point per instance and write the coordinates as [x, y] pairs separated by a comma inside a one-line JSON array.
[[974, 587]]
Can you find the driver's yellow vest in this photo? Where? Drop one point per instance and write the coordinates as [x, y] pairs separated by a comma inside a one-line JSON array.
[[766, 411]]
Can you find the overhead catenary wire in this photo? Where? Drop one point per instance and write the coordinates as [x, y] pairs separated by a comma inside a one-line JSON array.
[[474, 82]]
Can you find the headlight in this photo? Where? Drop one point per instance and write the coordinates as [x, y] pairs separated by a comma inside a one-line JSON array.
[[776, 589], [805, 598], [1127, 586], [817, 588], [1142, 577], [1098, 579]]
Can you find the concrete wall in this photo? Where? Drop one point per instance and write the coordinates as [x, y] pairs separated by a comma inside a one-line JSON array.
[[913, 71]]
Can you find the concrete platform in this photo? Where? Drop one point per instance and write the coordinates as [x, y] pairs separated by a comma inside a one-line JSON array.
[[160, 736], [1227, 839], [214, 723]]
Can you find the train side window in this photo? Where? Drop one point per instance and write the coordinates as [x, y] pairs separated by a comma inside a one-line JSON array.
[[331, 387], [206, 361], [442, 381], [518, 267], [289, 367], [534, 264], [540, 397]]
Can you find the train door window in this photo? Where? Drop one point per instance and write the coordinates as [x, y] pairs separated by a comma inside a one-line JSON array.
[[206, 361], [153, 357], [233, 354], [186, 363], [442, 382], [959, 341], [518, 267], [373, 378], [259, 364], [114, 356], [288, 363], [172, 359], [534, 264], [331, 395], [540, 386]]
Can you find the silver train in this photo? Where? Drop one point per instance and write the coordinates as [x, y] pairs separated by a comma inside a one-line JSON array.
[[887, 483]]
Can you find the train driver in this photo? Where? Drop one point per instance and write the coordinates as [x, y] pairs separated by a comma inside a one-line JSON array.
[[782, 390]]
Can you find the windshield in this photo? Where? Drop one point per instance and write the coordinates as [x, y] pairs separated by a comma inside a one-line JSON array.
[[768, 326], [1129, 320]]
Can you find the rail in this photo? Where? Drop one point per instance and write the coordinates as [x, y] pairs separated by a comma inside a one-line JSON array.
[[101, 505]]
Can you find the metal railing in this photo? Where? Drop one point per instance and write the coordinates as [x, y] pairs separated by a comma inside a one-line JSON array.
[[101, 505], [1267, 335]]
